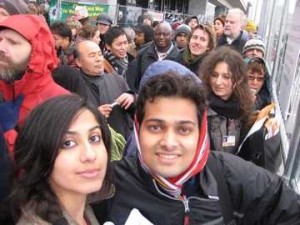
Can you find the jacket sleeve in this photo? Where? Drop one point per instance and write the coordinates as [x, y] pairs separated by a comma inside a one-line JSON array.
[[258, 196], [131, 75]]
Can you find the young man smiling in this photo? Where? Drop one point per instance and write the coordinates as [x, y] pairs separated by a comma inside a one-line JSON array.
[[175, 179]]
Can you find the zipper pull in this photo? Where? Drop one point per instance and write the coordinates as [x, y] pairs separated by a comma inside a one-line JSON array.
[[186, 210]]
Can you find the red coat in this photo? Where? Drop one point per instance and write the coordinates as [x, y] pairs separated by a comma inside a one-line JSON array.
[[36, 83]]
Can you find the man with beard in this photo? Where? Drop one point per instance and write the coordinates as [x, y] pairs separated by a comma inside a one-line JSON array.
[[162, 48], [7, 8], [27, 57]]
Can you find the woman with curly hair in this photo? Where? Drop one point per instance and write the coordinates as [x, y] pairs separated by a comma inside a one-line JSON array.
[[61, 158], [230, 100]]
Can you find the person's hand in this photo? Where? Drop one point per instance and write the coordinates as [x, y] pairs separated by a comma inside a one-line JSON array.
[[125, 100], [9, 113], [105, 109]]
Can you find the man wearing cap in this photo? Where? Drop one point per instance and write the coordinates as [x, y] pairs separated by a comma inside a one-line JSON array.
[[254, 48], [104, 22], [181, 36], [12, 7]]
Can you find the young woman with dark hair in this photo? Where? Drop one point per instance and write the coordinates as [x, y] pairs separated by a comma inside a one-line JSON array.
[[230, 102], [61, 158]]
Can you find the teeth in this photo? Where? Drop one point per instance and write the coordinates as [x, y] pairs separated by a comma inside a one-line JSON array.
[[167, 156]]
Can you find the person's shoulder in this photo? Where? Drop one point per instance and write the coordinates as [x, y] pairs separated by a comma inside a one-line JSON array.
[[234, 167], [221, 41], [148, 50], [115, 77], [126, 166], [28, 217], [125, 162]]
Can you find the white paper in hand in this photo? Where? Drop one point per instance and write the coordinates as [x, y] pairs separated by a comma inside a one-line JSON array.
[[136, 218]]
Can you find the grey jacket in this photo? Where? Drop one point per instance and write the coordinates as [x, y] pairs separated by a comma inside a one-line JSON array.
[[224, 133], [29, 218]]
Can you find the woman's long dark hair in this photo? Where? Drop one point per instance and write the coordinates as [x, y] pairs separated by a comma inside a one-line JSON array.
[[36, 149]]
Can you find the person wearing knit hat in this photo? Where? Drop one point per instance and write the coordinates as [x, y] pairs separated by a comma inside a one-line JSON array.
[[254, 48], [12, 7], [181, 36]]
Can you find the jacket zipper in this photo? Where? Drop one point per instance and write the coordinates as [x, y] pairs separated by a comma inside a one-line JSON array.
[[186, 210]]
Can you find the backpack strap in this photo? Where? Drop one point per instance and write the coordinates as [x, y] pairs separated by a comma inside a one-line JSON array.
[[225, 201]]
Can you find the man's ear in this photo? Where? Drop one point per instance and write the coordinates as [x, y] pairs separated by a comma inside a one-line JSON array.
[[78, 63]]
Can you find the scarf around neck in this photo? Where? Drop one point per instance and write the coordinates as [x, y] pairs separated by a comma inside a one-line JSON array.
[[188, 59], [228, 108], [120, 65], [173, 186]]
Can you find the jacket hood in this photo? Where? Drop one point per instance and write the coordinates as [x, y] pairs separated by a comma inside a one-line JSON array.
[[43, 57], [264, 96], [36, 31], [268, 83], [165, 66]]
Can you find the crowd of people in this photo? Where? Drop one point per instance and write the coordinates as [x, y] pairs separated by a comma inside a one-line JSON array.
[[158, 123]]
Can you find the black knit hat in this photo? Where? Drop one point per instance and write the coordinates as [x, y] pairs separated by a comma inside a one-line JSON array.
[[14, 6]]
